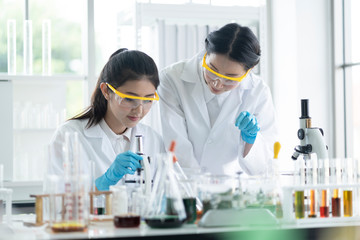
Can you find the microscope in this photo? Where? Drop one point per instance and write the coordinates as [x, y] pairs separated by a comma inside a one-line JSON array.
[[143, 175], [311, 139]]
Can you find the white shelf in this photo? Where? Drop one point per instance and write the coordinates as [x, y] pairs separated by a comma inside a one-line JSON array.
[[25, 130], [42, 78]]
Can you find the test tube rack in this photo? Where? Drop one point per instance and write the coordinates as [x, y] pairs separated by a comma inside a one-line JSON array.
[[289, 206], [39, 204]]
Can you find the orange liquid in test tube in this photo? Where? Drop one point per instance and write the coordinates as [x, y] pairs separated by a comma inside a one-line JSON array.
[[312, 204]]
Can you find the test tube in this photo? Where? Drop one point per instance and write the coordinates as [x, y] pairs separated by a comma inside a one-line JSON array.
[[335, 170], [311, 193], [299, 204], [347, 178], [299, 179], [324, 207], [11, 46], [335, 204], [28, 54], [323, 178], [46, 47]]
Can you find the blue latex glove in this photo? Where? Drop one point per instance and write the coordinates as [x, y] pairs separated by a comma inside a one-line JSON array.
[[125, 163], [248, 126]]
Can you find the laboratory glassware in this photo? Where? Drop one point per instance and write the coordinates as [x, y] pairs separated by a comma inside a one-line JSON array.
[[180, 175], [216, 191], [335, 178], [126, 206], [311, 180], [99, 205], [299, 195], [11, 46], [347, 178], [46, 47], [74, 189], [323, 178], [188, 190], [165, 208], [28, 51]]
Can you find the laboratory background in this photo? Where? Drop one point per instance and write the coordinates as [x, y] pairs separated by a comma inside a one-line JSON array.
[[52, 52]]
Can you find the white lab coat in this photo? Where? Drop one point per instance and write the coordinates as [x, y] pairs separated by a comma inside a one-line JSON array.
[[96, 146], [217, 149]]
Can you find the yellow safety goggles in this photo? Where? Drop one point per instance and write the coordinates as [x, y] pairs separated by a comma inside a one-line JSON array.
[[238, 79], [133, 101]]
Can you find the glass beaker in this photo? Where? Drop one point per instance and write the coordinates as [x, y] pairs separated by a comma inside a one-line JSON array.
[[126, 206], [99, 205], [166, 208], [73, 188], [188, 190], [69, 203], [216, 191]]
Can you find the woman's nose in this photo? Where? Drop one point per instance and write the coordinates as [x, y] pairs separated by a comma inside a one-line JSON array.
[[217, 83], [139, 109]]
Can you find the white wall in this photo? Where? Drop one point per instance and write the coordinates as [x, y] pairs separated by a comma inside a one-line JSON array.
[[301, 47]]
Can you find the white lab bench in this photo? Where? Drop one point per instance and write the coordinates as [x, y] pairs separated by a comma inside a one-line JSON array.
[[106, 230]]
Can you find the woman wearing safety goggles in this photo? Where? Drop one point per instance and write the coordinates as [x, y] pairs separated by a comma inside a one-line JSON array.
[[123, 95], [215, 107]]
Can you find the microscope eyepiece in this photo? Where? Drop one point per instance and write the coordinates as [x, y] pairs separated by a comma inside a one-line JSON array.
[[304, 108]]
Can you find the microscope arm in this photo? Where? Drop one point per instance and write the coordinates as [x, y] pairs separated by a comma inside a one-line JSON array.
[[316, 140]]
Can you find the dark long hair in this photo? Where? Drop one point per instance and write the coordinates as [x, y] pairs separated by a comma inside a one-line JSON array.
[[123, 65], [237, 42]]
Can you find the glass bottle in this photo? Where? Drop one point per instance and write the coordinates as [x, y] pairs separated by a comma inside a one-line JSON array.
[[166, 208], [28, 51]]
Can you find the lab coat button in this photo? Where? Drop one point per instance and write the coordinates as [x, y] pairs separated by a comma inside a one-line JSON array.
[[210, 141]]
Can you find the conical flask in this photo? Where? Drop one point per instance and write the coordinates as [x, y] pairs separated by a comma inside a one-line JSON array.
[[166, 208]]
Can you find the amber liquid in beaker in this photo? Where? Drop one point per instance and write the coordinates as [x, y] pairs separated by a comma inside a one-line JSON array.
[[299, 204], [348, 208], [68, 227], [127, 221]]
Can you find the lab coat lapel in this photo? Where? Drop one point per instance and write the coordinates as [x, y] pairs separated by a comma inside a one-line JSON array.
[[231, 105], [229, 109], [200, 102], [97, 132], [190, 74]]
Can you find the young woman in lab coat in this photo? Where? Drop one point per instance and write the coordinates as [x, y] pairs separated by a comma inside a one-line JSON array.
[[219, 112], [124, 94]]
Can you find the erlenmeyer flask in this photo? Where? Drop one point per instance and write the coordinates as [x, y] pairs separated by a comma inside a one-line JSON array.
[[166, 208]]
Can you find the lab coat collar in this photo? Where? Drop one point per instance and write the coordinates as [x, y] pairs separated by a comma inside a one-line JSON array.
[[95, 131], [248, 82], [192, 74]]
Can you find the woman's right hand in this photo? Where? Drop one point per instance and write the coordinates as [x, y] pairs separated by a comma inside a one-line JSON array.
[[124, 163]]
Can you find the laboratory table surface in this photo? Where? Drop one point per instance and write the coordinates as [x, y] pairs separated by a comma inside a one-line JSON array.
[[106, 230]]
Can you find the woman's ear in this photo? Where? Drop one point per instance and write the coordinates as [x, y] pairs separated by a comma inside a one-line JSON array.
[[105, 90]]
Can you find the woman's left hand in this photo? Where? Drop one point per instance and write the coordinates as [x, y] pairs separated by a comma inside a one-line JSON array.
[[247, 124]]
